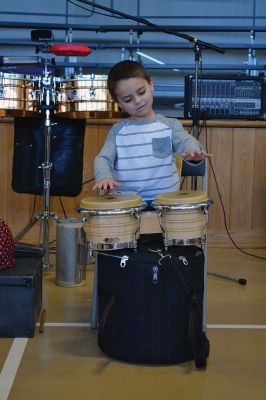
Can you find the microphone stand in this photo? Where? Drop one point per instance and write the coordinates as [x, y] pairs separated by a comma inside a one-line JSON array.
[[195, 113], [158, 27]]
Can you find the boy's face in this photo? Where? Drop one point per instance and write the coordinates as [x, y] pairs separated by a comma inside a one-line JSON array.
[[134, 95]]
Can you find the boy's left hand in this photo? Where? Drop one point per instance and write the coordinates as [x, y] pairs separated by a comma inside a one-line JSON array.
[[195, 155]]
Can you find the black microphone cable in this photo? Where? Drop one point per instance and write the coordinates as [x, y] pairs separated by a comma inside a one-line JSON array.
[[222, 205]]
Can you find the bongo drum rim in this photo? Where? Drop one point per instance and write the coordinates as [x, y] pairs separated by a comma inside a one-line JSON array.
[[132, 244], [118, 201], [185, 242], [184, 207], [181, 197]]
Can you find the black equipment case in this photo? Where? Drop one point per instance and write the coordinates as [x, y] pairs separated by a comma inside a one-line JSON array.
[[150, 304], [20, 296]]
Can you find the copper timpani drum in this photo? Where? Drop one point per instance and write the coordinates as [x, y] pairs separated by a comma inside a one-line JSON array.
[[17, 95], [183, 217], [112, 222], [86, 96]]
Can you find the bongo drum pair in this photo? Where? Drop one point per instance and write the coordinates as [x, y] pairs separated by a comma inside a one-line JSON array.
[[114, 222]]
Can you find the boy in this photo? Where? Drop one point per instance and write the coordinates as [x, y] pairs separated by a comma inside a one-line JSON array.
[[138, 156]]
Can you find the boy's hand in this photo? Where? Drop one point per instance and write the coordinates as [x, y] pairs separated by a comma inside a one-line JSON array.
[[195, 155], [106, 184]]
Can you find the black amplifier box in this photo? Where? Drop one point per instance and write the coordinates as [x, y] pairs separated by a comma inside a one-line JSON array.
[[225, 97]]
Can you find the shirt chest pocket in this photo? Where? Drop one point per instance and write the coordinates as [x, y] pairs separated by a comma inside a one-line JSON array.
[[162, 147]]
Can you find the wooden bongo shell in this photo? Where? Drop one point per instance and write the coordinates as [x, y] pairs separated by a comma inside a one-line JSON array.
[[183, 217], [112, 221]]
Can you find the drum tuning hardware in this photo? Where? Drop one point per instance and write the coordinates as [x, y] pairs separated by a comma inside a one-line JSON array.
[[136, 215], [204, 210], [2, 92], [109, 194], [92, 93]]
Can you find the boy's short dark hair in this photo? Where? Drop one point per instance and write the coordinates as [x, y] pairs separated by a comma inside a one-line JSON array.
[[125, 70]]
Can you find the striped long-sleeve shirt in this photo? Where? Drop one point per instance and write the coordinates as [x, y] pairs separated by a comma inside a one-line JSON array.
[[141, 155]]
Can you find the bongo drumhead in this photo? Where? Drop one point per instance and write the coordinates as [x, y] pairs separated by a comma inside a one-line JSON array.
[[181, 197], [115, 201]]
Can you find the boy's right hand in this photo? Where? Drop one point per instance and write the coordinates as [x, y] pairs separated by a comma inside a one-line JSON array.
[[106, 184]]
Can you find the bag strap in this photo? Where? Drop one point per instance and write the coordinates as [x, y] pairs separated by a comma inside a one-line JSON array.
[[105, 313], [197, 342]]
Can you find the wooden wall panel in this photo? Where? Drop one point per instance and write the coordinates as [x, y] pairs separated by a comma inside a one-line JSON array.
[[220, 146], [238, 162], [258, 192], [242, 179]]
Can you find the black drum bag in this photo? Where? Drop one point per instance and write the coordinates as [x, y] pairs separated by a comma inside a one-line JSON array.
[[151, 304], [66, 156]]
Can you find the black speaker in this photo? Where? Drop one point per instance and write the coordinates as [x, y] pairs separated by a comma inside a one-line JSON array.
[[66, 156]]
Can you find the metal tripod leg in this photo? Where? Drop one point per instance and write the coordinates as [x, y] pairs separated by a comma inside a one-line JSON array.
[[31, 223], [241, 281], [45, 219], [46, 248]]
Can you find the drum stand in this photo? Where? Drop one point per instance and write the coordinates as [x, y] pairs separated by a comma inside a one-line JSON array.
[[46, 104]]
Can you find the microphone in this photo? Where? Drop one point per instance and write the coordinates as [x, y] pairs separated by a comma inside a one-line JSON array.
[[69, 50]]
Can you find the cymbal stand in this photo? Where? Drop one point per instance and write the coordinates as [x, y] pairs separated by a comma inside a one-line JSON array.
[[47, 101]]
